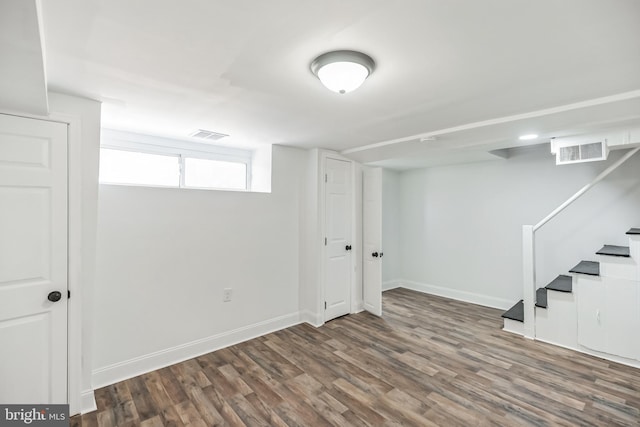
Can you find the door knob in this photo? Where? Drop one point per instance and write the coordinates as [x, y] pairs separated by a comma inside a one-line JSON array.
[[375, 254], [54, 296], [347, 248], [381, 254]]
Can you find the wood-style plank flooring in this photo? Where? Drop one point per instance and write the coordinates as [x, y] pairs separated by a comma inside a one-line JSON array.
[[429, 361]]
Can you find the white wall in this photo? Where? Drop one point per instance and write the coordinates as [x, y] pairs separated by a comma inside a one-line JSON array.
[[391, 271], [461, 225], [165, 256], [310, 235]]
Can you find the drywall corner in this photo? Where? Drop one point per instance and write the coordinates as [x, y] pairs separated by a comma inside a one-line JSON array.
[[261, 169]]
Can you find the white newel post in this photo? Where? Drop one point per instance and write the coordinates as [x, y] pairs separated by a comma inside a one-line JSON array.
[[529, 280]]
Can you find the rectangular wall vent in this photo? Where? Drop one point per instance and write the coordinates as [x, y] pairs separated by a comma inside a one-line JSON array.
[[579, 153], [208, 135]]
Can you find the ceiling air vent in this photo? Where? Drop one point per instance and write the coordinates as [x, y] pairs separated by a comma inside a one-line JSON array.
[[208, 135], [569, 152]]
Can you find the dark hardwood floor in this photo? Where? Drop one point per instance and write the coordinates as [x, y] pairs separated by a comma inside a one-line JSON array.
[[429, 361]]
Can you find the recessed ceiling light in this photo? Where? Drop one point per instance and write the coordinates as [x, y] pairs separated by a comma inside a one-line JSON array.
[[528, 137], [342, 71]]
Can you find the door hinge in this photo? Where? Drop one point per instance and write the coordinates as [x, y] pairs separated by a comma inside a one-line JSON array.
[[325, 241], [325, 177], [68, 294], [325, 305]]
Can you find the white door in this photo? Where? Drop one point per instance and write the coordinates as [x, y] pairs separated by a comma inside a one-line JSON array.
[[33, 261], [338, 238], [622, 327], [591, 297], [372, 240]]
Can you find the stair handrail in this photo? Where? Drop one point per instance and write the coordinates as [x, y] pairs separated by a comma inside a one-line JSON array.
[[586, 188], [528, 245]]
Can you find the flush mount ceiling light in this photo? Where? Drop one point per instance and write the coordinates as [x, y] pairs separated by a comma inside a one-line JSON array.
[[528, 137], [342, 71]]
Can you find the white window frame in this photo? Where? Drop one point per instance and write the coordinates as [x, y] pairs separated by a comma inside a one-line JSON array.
[[138, 143]]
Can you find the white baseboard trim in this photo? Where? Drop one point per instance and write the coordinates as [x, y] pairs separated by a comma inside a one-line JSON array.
[[359, 307], [391, 284], [514, 327], [315, 320], [150, 362], [465, 296], [88, 402], [605, 356]]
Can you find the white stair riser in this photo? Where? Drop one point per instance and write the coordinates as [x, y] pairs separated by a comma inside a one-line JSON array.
[[634, 247], [619, 267], [513, 326], [557, 323]]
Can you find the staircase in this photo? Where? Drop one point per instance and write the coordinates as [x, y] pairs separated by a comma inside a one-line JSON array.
[[595, 310]]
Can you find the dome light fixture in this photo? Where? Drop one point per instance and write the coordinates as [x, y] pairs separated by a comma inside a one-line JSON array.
[[342, 71]]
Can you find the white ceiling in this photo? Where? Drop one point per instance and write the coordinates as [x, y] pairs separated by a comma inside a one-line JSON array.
[[23, 86], [241, 67]]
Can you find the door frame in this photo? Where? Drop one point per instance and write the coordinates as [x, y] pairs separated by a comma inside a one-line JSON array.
[[354, 265], [75, 396]]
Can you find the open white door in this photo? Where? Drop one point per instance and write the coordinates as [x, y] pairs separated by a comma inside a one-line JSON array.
[[33, 261], [372, 239], [337, 289]]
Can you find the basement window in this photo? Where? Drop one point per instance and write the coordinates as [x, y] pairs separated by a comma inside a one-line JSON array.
[[207, 173], [142, 160], [131, 167]]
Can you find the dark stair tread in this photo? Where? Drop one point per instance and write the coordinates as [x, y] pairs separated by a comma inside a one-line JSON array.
[[516, 312], [541, 297], [562, 283], [634, 231], [612, 250], [591, 268]]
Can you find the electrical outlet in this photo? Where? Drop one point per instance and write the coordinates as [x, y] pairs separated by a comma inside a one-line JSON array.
[[226, 295]]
